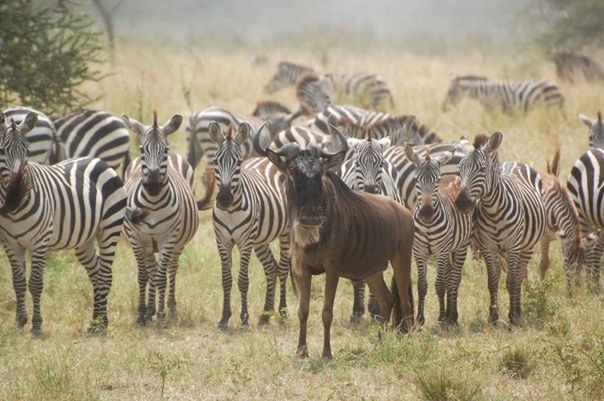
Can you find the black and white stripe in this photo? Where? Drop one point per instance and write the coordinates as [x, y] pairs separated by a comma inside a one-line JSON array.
[[250, 213], [585, 188], [97, 134], [43, 141], [509, 218], [441, 231], [161, 216], [509, 96], [76, 204]]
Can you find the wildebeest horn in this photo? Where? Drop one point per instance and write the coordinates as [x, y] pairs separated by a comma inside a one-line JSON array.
[[289, 150], [256, 141], [342, 139], [294, 115]]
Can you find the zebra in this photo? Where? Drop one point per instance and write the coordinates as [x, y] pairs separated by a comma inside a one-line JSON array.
[[584, 185], [510, 96], [94, 133], [441, 231], [76, 204], [43, 140], [367, 171], [200, 144], [366, 89], [561, 216], [596, 130], [250, 213], [161, 215], [571, 66], [509, 218], [404, 179]]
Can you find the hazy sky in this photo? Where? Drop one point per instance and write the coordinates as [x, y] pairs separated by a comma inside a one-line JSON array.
[[249, 20]]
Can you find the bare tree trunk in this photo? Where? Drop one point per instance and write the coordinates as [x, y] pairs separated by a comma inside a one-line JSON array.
[[107, 18]]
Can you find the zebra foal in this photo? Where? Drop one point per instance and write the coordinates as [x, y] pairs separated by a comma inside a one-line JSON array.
[[77, 204], [161, 215]]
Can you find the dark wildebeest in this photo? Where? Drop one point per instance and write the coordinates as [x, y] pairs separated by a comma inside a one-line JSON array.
[[342, 233]]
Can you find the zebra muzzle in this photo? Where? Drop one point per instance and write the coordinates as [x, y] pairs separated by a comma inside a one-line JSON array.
[[464, 202]]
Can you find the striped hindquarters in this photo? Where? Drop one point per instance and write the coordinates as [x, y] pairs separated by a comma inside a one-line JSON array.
[[585, 186], [96, 134], [40, 139], [365, 89]]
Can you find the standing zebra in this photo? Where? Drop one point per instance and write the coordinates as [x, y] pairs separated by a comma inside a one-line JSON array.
[[441, 231], [510, 96], [509, 218], [596, 130], [95, 133], [161, 215], [250, 213], [585, 187], [43, 141], [367, 171], [76, 204], [365, 89]]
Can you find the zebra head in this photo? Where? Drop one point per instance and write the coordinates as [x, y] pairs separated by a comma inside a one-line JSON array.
[[478, 170], [427, 178], [368, 160], [459, 87], [596, 130], [154, 150], [228, 159], [14, 150]]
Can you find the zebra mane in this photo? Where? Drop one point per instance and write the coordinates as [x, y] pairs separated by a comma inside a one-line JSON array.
[[270, 109], [480, 140], [229, 133], [554, 167], [471, 78], [154, 118]]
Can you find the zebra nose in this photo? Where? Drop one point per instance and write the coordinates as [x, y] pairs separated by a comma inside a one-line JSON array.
[[426, 211], [464, 202], [371, 188], [225, 196], [153, 177]]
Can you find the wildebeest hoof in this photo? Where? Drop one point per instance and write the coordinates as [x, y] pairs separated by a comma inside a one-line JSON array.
[[302, 352], [420, 320], [327, 355]]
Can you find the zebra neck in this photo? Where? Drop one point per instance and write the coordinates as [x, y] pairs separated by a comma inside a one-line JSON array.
[[165, 194], [496, 196], [18, 192]]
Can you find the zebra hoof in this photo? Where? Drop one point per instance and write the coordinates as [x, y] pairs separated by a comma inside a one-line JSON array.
[[223, 325], [36, 332], [96, 330], [264, 319], [21, 321], [141, 321], [283, 312], [420, 320]]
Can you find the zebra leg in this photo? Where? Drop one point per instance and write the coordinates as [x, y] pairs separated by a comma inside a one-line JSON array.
[[243, 281], [458, 259], [544, 264], [422, 286], [165, 258], [283, 272], [358, 306], [151, 264], [270, 270], [172, 270], [593, 264], [143, 279], [516, 263], [493, 274], [225, 251], [16, 256], [36, 284], [442, 263]]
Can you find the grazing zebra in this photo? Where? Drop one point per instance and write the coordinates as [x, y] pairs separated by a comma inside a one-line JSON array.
[[161, 215], [200, 143], [404, 178], [596, 130], [43, 141], [441, 231], [560, 213], [571, 67], [367, 171], [97, 134], [250, 213], [509, 218], [585, 188], [76, 204], [510, 96], [366, 89]]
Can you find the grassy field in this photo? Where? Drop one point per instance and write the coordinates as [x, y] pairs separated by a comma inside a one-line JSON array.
[[556, 354]]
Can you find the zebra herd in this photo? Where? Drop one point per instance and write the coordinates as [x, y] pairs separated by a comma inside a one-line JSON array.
[[287, 176]]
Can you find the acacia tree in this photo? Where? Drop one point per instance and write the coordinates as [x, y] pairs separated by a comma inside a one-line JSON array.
[[46, 53]]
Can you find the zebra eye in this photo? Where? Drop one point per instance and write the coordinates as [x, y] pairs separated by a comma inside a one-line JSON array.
[[1, 151]]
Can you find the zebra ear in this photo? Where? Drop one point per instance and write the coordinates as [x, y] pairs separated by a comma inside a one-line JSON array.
[[352, 143], [585, 120], [384, 143], [493, 142], [410, 153], [134, 125], [216, 133], [444, 158], [243, 133], [173, 125], [29, 122], [2, 120]]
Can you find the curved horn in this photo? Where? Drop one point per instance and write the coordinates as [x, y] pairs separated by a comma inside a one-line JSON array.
[[256, 141], [342, 139], [296, 114], [289, 150]]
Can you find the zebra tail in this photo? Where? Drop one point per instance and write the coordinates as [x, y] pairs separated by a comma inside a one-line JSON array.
[[210, 184]]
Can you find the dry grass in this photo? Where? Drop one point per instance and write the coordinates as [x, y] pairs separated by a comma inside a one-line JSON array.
[[199, 362]]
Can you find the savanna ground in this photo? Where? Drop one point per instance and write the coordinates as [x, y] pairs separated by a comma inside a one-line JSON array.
[[556, 354]]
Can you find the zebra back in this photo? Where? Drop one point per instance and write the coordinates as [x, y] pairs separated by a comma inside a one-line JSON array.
[[364, 89], [287, 74]]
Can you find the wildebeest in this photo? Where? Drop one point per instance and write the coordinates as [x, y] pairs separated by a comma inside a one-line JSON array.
[[342, 233]]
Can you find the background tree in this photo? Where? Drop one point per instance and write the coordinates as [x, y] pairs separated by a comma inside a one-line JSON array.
[[106, 12], [47, 51]]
